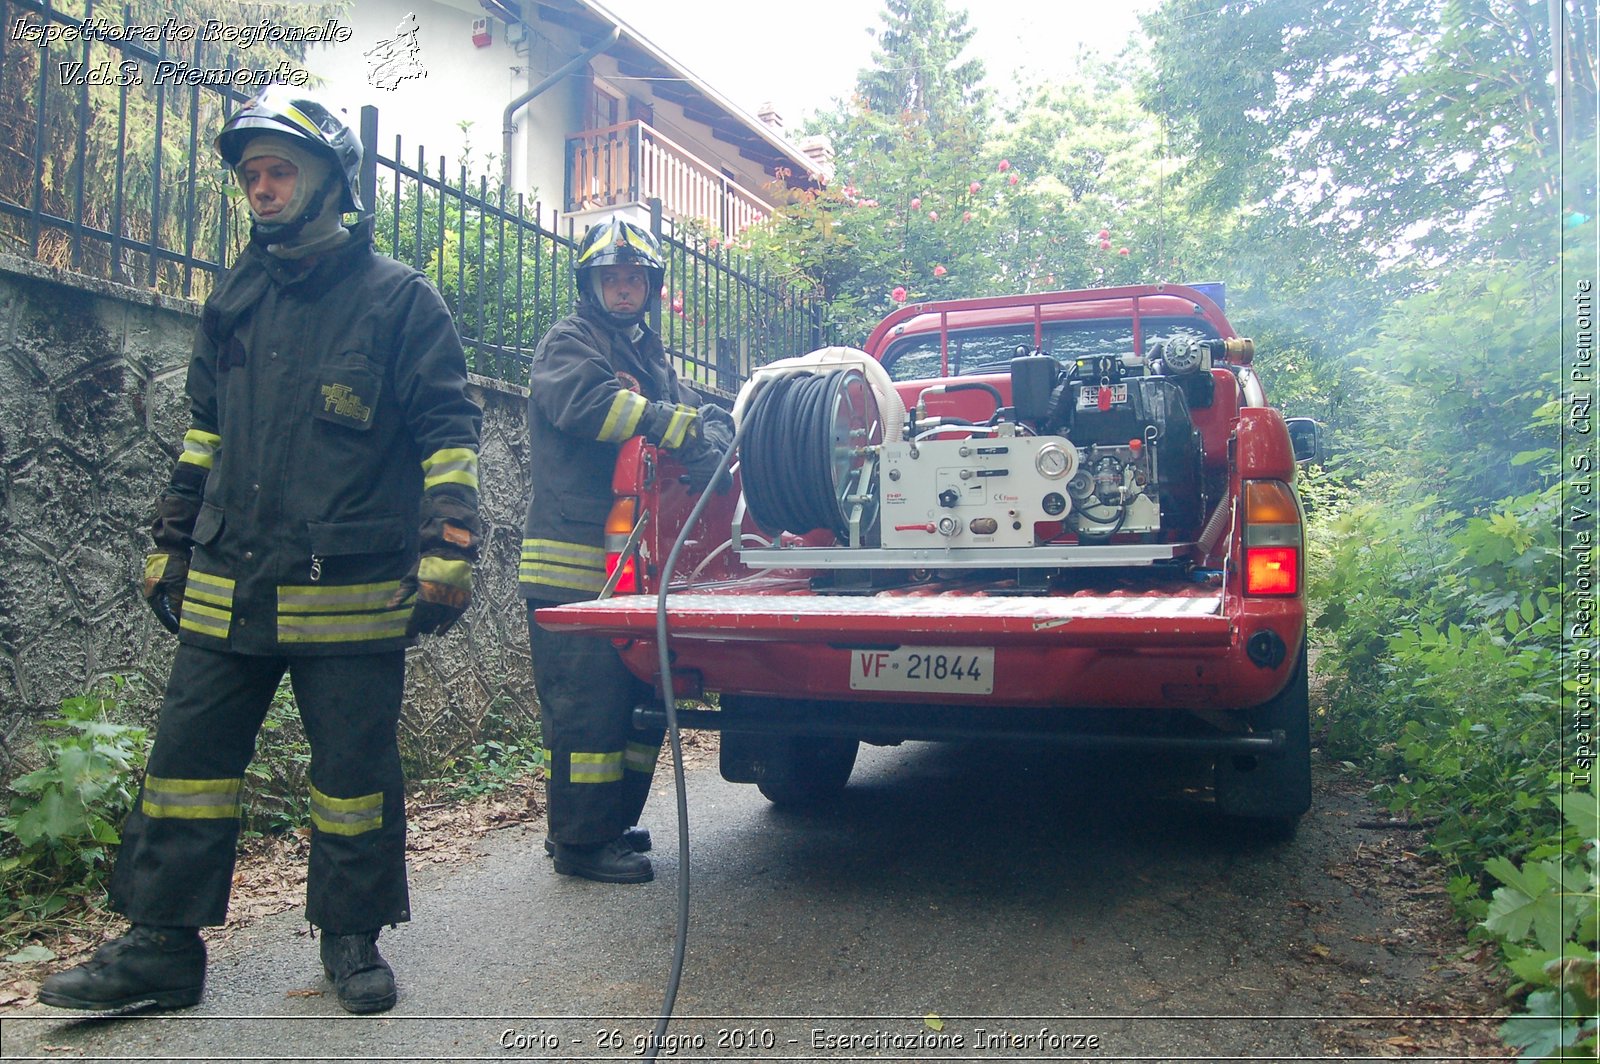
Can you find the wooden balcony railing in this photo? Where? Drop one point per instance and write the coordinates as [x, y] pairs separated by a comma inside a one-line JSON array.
[[632, 163]]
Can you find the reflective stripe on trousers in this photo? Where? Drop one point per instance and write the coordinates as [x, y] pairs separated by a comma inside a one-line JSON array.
[[555, 563], [599, 765]]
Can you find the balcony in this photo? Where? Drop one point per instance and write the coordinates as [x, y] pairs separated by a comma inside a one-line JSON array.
[[630, 163]]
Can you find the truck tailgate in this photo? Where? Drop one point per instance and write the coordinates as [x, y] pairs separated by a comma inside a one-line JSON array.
[[1185, 618]]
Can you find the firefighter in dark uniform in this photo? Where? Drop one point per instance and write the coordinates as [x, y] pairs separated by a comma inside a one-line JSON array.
[[600, 376], [322, 514]]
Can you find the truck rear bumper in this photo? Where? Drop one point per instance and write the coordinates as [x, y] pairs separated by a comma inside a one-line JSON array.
[[1105, 651], [901, 723]]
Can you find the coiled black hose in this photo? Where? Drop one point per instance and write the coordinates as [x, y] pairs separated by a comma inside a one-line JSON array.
[[787, 455]]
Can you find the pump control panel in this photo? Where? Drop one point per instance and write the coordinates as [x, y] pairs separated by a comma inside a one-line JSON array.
[[975, 492]]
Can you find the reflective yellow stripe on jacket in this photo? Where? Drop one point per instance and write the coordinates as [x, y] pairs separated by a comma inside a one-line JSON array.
[[207, 604], [450, 465], [622, 419], [678, 425], [200, 448], [340, 613], [571, 565]]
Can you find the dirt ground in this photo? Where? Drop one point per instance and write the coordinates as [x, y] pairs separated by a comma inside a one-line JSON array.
[[1461, 982]]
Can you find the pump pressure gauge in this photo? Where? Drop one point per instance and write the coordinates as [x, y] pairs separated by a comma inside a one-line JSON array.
[[1055, 461]]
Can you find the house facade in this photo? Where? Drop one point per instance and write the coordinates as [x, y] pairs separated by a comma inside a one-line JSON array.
[[563, 102]]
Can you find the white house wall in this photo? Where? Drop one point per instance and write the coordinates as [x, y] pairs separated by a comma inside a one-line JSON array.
[[460, 82]]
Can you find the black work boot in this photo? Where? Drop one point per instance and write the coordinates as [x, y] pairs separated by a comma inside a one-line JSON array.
[[635, 838], [610, 862], [363, 979], [160, 966]]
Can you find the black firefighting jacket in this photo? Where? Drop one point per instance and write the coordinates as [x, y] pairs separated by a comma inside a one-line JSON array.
[[326, 396], [587, 392]]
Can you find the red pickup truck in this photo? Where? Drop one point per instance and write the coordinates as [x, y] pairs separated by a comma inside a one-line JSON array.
[[1066, 516]]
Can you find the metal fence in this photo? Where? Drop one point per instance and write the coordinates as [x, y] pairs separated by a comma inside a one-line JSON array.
[[106, 169], [102, 168]]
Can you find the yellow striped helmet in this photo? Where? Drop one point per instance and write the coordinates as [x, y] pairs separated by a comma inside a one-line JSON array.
[[281, 109], [615, 242]]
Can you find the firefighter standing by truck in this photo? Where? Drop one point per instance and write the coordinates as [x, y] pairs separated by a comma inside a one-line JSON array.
[[322, 514], [600, 377]]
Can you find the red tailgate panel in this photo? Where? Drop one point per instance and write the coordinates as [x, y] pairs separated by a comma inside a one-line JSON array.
[[1146, 621]]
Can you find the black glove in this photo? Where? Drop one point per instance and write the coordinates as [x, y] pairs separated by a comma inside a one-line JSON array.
[[699, 466], [716, 427], [439, 586], [439, 590], [700, 457], [166, 569], [670, 426], [165, 574]]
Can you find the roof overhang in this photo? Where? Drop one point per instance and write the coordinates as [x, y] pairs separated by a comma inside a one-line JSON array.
[[638, 58]]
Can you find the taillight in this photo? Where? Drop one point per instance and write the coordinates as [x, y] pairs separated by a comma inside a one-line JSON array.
[[1272, 539], [619, 526]]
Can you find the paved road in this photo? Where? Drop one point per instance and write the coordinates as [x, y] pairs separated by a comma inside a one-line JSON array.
[[958, 903]]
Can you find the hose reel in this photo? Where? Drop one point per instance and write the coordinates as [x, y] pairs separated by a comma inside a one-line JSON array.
[[808, 459]]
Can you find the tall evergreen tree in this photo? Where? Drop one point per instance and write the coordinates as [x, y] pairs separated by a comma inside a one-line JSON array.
[[919, 73], [919, 69]]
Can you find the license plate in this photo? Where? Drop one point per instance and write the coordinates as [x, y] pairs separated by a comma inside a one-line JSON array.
[[954, 670], [1089, 396]]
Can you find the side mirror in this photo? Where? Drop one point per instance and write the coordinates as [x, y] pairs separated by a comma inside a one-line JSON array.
[[1305, 437]]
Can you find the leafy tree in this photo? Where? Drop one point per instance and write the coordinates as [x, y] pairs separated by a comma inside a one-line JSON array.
[[925, 208], [1399, 125], [1104, 203], [1460, 372], [904, 145]]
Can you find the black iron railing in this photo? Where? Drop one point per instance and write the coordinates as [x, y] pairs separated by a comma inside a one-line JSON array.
[[102, 169]]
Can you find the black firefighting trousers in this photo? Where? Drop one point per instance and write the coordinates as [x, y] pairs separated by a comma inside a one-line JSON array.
[[599, 765], [175, 865]]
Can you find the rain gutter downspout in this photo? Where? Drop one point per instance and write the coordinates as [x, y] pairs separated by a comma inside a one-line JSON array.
[[508, 126]]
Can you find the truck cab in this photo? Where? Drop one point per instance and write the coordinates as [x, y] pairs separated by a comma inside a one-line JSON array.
[[1068, 516]]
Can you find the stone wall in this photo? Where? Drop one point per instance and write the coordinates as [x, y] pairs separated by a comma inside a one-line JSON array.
[[92, 411]]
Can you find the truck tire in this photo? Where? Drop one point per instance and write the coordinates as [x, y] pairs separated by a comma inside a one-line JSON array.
[[1270, 794], [793, 769], [802, 770]]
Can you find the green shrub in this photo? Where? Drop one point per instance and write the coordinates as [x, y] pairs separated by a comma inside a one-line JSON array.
[[1441, 639], [63, 816], [1545, 916], [507, 751], [280, 796]]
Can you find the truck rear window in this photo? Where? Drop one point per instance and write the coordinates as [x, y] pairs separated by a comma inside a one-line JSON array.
[[991, 348]]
